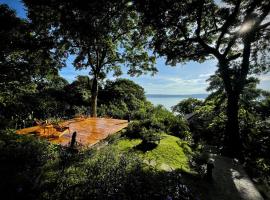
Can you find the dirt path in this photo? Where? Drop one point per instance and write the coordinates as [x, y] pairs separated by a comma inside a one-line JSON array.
[[230, 182]]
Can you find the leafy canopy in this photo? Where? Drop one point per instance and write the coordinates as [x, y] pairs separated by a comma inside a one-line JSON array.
[[102, 34]]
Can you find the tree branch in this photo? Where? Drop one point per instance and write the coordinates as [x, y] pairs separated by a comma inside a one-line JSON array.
[[231, 43], [101, 64], [208, 48], [252, 7], [264, 14], [228, 23], [199, 19], [233, 57], [263, 26], [245, 65], [90, 62], [120, 34]]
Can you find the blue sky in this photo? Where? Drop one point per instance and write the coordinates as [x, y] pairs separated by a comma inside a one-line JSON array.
[[189, 78]]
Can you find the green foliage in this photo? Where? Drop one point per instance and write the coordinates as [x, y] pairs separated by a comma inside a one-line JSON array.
[[34, 169], [256, 139], [263, 107], [159, 121], [116, 110], [187, 106], [150, 139], [171, 153], [122, 98], [164, 121], [175, 127], [45, 99], [122, 90], [104, 36], [107, 175], [26, 63], [78, 92], [23, 160], [23, 55], [200, 30], [208, 123], [51, 97]]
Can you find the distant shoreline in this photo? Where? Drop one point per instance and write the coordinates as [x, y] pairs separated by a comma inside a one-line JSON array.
[[169, 100], [201, 96]]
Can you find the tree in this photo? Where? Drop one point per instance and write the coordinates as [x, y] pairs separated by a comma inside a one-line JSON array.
[[121, 98], [25, 60], [103, 35], [122, 90], [79, 91], [236, 33], [187, 106]]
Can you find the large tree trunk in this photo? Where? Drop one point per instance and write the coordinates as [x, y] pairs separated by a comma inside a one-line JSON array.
[[232, 142], [94, 94], [233, 137]]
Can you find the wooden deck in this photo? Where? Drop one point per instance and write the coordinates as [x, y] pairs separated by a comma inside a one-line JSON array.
[[89, 130]]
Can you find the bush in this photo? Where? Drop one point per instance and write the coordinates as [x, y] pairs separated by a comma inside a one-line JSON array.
[[119, 111], [159, 120], [33, 169], [108, 174], [22, 159], [121, 98], [137, 129], [150, 139], [257, 149]]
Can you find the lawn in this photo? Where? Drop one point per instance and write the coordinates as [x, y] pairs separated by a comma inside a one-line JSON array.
[[171, 153]]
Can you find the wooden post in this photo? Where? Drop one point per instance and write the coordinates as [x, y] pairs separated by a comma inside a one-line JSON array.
[[210, 167], [73, 140]]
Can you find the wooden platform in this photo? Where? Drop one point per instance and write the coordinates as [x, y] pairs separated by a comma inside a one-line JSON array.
[[89, 130]]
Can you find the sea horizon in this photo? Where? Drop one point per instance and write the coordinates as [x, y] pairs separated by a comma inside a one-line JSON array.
[[169, 100]]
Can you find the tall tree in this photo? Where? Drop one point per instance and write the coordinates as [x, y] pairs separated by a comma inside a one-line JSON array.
[[103, 35], [235, 32], [25, 59], [23, 55]]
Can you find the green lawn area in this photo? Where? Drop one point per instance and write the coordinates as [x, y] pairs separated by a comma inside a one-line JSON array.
[[171, 153]]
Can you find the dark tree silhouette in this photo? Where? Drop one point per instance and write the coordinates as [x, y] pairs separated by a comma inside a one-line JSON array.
[[25, 60], [103, 35], [235, 32]]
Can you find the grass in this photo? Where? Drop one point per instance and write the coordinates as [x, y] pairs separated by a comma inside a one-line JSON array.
[[170, 154]]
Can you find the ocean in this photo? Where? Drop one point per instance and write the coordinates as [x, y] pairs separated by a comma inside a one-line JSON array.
[[170, 100]]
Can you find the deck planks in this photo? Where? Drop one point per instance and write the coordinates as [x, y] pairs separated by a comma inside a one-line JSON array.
[[89, 130]]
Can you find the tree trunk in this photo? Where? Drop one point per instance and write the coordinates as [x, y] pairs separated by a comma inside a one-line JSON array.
[[233, 137], [232, 142], [94, 94]]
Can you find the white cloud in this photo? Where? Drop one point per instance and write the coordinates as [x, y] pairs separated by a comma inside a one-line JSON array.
[[264, 81], [205, 75], [265, 77], [161, 84]]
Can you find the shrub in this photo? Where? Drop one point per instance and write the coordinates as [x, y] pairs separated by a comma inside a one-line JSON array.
[[150, 139], [119, 110], [137, 129], [160, 120], [108, 174], [33, 169], [23, 159]]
